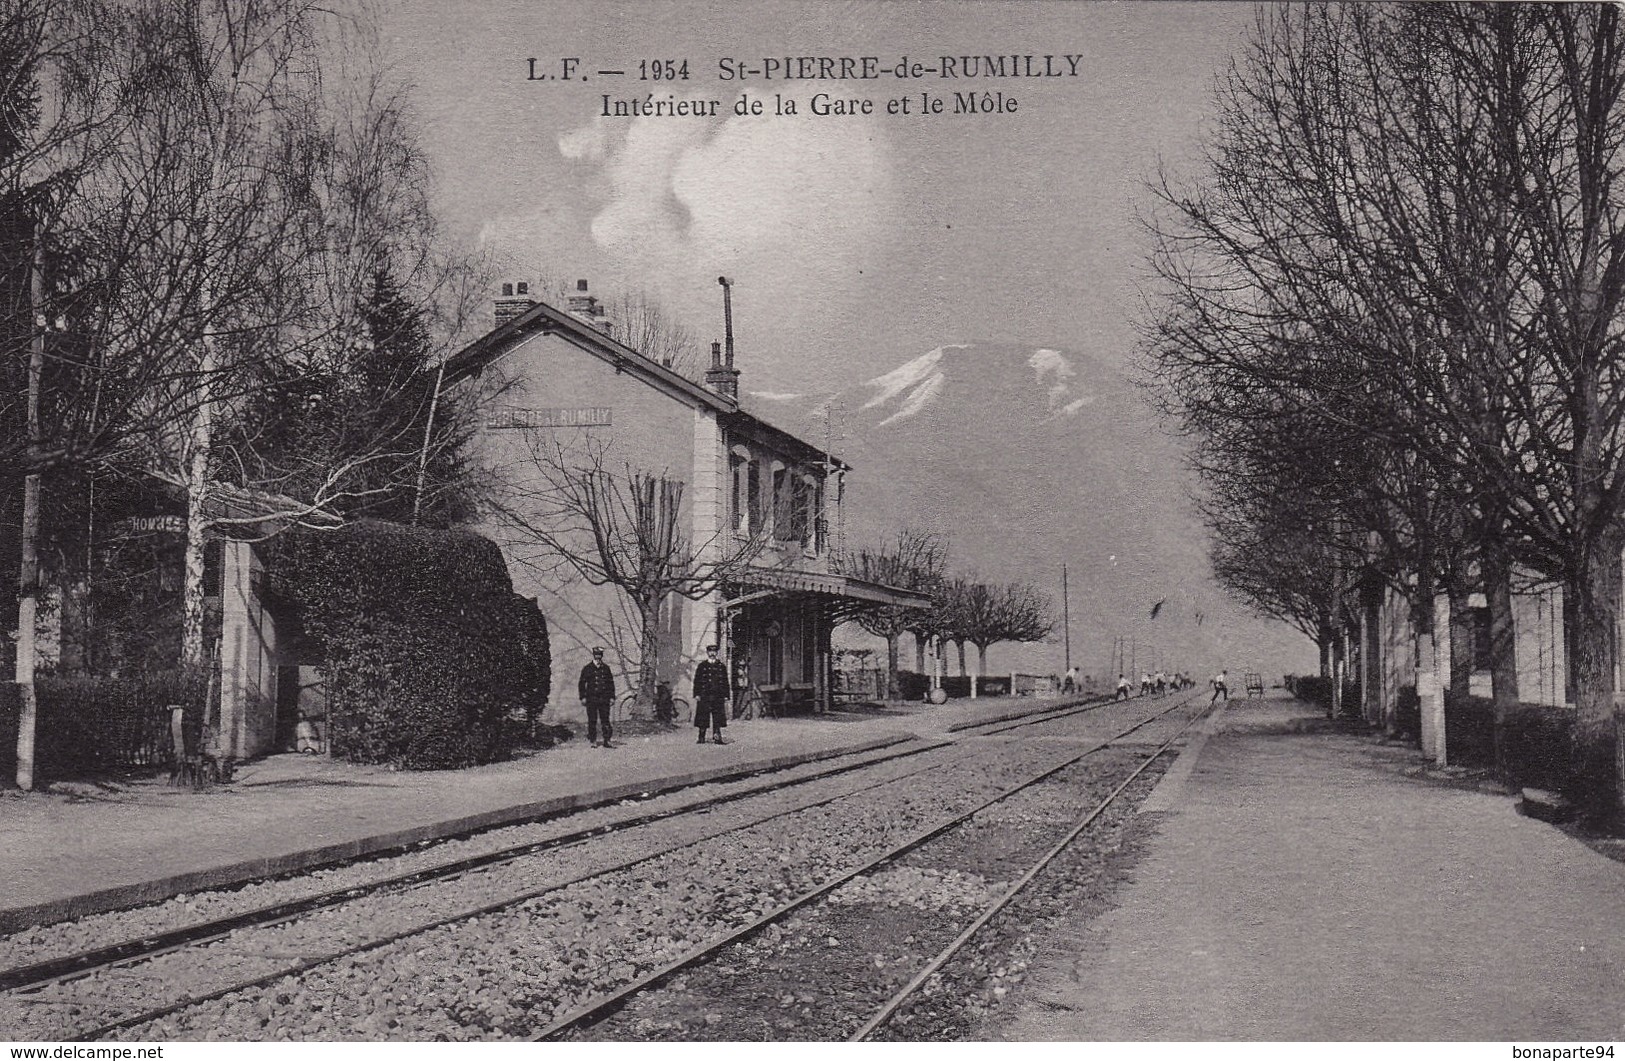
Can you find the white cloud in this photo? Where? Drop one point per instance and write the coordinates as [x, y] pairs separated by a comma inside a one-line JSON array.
[[587, 143], [793, 209]]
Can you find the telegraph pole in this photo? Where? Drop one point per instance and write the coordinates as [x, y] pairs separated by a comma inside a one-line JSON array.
[[1066, 618]]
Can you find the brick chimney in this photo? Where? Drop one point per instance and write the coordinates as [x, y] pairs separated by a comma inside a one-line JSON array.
[[724, 379], [514, 302], [585, 307]]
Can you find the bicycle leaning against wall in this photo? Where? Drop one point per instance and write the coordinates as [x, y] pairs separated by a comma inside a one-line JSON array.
[[748, 702], [662, 707]]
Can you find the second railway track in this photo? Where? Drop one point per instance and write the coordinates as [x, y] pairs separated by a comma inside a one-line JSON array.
[[276, 971], [875, 940]]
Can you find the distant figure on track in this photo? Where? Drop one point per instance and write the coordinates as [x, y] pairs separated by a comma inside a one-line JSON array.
[[597, 691], [710, 696], [1221, 689], [1070, 684], [1122, 687]]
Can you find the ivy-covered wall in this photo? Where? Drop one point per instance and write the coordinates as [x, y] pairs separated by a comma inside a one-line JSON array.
[[426, 647]]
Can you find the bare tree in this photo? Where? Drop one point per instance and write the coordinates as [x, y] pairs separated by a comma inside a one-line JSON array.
[[301, 196], [45, 45], [912, 560], [640, 322], [988, 614], [623, 528], [1412, 231]]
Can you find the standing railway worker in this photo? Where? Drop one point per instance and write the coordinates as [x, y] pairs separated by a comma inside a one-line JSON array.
[[1122, 687], [711, 696], [597, 691], [1221, 689]]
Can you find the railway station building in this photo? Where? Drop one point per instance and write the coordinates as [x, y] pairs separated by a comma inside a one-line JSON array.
[[759, 509], [1402, 661]]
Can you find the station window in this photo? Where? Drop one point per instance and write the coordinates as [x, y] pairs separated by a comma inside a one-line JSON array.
[[784, 518], [740, 477]]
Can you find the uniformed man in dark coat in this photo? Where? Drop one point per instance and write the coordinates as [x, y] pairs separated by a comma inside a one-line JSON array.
[[597, 690], [711, 696]]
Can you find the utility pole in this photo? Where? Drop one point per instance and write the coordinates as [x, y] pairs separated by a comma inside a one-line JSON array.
[[28, 582], [1066, 618]]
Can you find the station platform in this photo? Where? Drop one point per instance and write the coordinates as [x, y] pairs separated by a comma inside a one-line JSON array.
[[1302, 882], [76, 848]]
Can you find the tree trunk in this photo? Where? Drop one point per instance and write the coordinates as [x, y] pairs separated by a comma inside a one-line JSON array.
[[1461, 646], [961, 646], [981, 659], [1497, 568], [199, 441], [893, 689], [1327, 638], [649, 652], [919, 652], [1594, 589]]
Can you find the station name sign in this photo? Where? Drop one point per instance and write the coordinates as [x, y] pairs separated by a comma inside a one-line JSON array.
[[151, 525], [530, 419]]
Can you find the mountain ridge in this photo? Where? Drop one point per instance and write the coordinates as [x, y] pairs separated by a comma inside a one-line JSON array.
[[1027, 456]]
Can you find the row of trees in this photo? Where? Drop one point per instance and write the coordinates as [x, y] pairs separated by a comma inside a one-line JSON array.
[[224, 291], [963, 610], [1391, 317]]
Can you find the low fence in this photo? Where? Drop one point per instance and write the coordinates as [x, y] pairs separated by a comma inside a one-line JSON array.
[[855, 685], [852, 686], [89, 726]]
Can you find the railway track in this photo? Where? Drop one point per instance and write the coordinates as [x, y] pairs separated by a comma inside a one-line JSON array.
[[201, 930], [141, 953], [730, 1002]]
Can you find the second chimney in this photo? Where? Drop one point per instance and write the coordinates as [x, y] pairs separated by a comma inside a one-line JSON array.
[[724, 379], [586, 308], [514, 302]]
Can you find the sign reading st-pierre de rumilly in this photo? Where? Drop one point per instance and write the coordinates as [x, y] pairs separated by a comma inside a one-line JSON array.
[[521, 419]]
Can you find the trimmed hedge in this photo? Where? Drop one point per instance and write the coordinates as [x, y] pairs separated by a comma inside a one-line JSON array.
[[426, 646], [957, 686], [1408, 713], [912, 685], [88, 726], [1318, 691], [1469, 726], [1539, 747]]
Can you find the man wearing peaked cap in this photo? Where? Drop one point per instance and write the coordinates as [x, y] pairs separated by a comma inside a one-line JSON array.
[[597, 691], [711, 696]]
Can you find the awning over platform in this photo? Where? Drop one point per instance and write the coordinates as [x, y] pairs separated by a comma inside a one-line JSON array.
[[843, 595]]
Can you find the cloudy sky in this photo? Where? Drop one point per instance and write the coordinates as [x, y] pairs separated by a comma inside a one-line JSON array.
[[852, 239], [857, 243]]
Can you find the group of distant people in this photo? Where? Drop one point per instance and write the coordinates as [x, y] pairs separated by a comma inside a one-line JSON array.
[[1071, 683], [712, 692], [1160, 682]]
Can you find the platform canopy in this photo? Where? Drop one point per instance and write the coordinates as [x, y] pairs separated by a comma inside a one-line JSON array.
[[843, 596]]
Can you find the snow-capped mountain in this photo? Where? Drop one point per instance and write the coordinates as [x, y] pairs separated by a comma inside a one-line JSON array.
[[1025, 457]]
